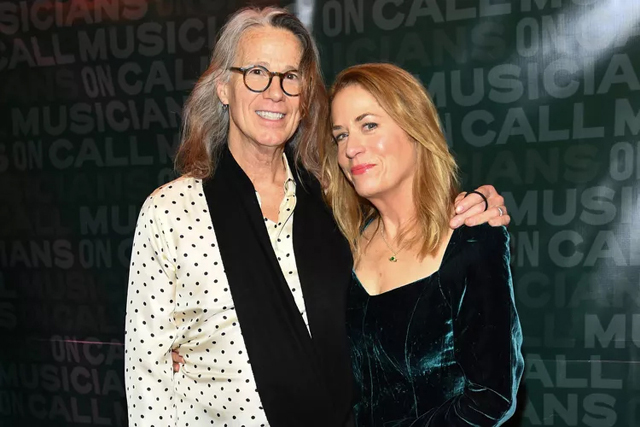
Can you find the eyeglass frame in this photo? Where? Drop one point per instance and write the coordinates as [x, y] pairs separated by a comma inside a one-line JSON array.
[[272, 74]]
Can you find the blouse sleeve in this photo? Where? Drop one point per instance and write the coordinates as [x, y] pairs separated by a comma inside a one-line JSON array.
[[149, 327], [487, 337]]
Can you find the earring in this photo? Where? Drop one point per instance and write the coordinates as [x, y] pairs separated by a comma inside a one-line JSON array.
[[225, 107]]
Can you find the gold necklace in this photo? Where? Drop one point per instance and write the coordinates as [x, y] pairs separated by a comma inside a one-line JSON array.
[[394, 257]]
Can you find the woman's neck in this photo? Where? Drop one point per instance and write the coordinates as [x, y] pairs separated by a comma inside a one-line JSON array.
[[263, 165], [396, 211]]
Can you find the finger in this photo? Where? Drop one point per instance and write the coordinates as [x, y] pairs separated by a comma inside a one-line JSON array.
[[176, 367], [459, 198], [495, 200], [501, 220], [462, 218], [175, 356], [488, 190], [483, 217], [471, 200]]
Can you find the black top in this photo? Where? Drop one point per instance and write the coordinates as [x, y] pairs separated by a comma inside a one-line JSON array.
[[443, 350]]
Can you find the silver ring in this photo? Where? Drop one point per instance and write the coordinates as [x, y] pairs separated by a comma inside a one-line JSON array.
[[500, 210]]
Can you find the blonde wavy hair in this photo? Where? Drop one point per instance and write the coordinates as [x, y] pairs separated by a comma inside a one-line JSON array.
[[436, 181], [205, 122]]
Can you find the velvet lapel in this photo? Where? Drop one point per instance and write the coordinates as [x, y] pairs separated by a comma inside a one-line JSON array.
[[288, 367]]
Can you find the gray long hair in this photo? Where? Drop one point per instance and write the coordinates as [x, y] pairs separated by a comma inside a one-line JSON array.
[[205, 122]]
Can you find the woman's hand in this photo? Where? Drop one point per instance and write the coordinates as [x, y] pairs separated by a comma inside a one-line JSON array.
[[177, 360]]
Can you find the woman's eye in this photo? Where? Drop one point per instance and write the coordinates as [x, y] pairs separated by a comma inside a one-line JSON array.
[[339, 137], [291, 76], [370, 126], [257, 71]]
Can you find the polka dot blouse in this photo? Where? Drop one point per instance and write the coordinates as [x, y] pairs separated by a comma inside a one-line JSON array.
[[179, 298]]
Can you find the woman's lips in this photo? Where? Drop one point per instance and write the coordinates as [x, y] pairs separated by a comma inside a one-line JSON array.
[[360, 169]]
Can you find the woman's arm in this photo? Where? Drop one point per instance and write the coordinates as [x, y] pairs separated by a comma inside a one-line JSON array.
[[487, 337], [149, 327]]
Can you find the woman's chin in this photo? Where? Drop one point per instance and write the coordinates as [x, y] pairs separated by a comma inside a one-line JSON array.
[[367, 191]]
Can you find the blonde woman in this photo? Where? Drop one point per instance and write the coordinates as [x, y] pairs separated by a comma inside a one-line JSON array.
[[434, 334]]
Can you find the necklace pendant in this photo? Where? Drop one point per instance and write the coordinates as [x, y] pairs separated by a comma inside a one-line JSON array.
[[393, 259]]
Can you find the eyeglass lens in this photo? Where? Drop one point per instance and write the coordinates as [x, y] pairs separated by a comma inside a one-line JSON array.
[[257, 79]]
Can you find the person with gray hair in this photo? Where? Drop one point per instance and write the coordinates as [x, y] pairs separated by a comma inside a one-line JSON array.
[[254, 301]]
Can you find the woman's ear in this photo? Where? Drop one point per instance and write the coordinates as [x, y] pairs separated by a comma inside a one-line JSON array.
[[222, 89]]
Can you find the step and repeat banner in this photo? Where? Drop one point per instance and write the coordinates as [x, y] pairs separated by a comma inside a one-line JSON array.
[[540, 98]]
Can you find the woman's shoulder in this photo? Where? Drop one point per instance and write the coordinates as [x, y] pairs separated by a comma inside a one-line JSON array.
[[176, 193], [183, 184], [482, 248], [480, 242], [483, 234], [176, 189]]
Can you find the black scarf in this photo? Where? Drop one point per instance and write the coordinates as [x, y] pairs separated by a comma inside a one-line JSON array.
[[302, 380]]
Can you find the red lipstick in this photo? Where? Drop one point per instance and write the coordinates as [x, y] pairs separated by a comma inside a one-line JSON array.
[[360, 169]]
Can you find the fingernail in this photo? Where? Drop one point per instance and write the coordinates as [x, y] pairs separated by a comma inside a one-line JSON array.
[[459, 209]]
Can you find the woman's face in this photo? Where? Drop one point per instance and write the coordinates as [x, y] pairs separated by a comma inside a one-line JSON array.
[[374, 153], [268, 118]]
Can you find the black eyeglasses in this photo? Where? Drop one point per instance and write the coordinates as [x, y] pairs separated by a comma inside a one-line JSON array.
[[258, 79]]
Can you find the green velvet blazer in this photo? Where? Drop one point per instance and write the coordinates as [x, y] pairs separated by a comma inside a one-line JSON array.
[[444, 350]]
